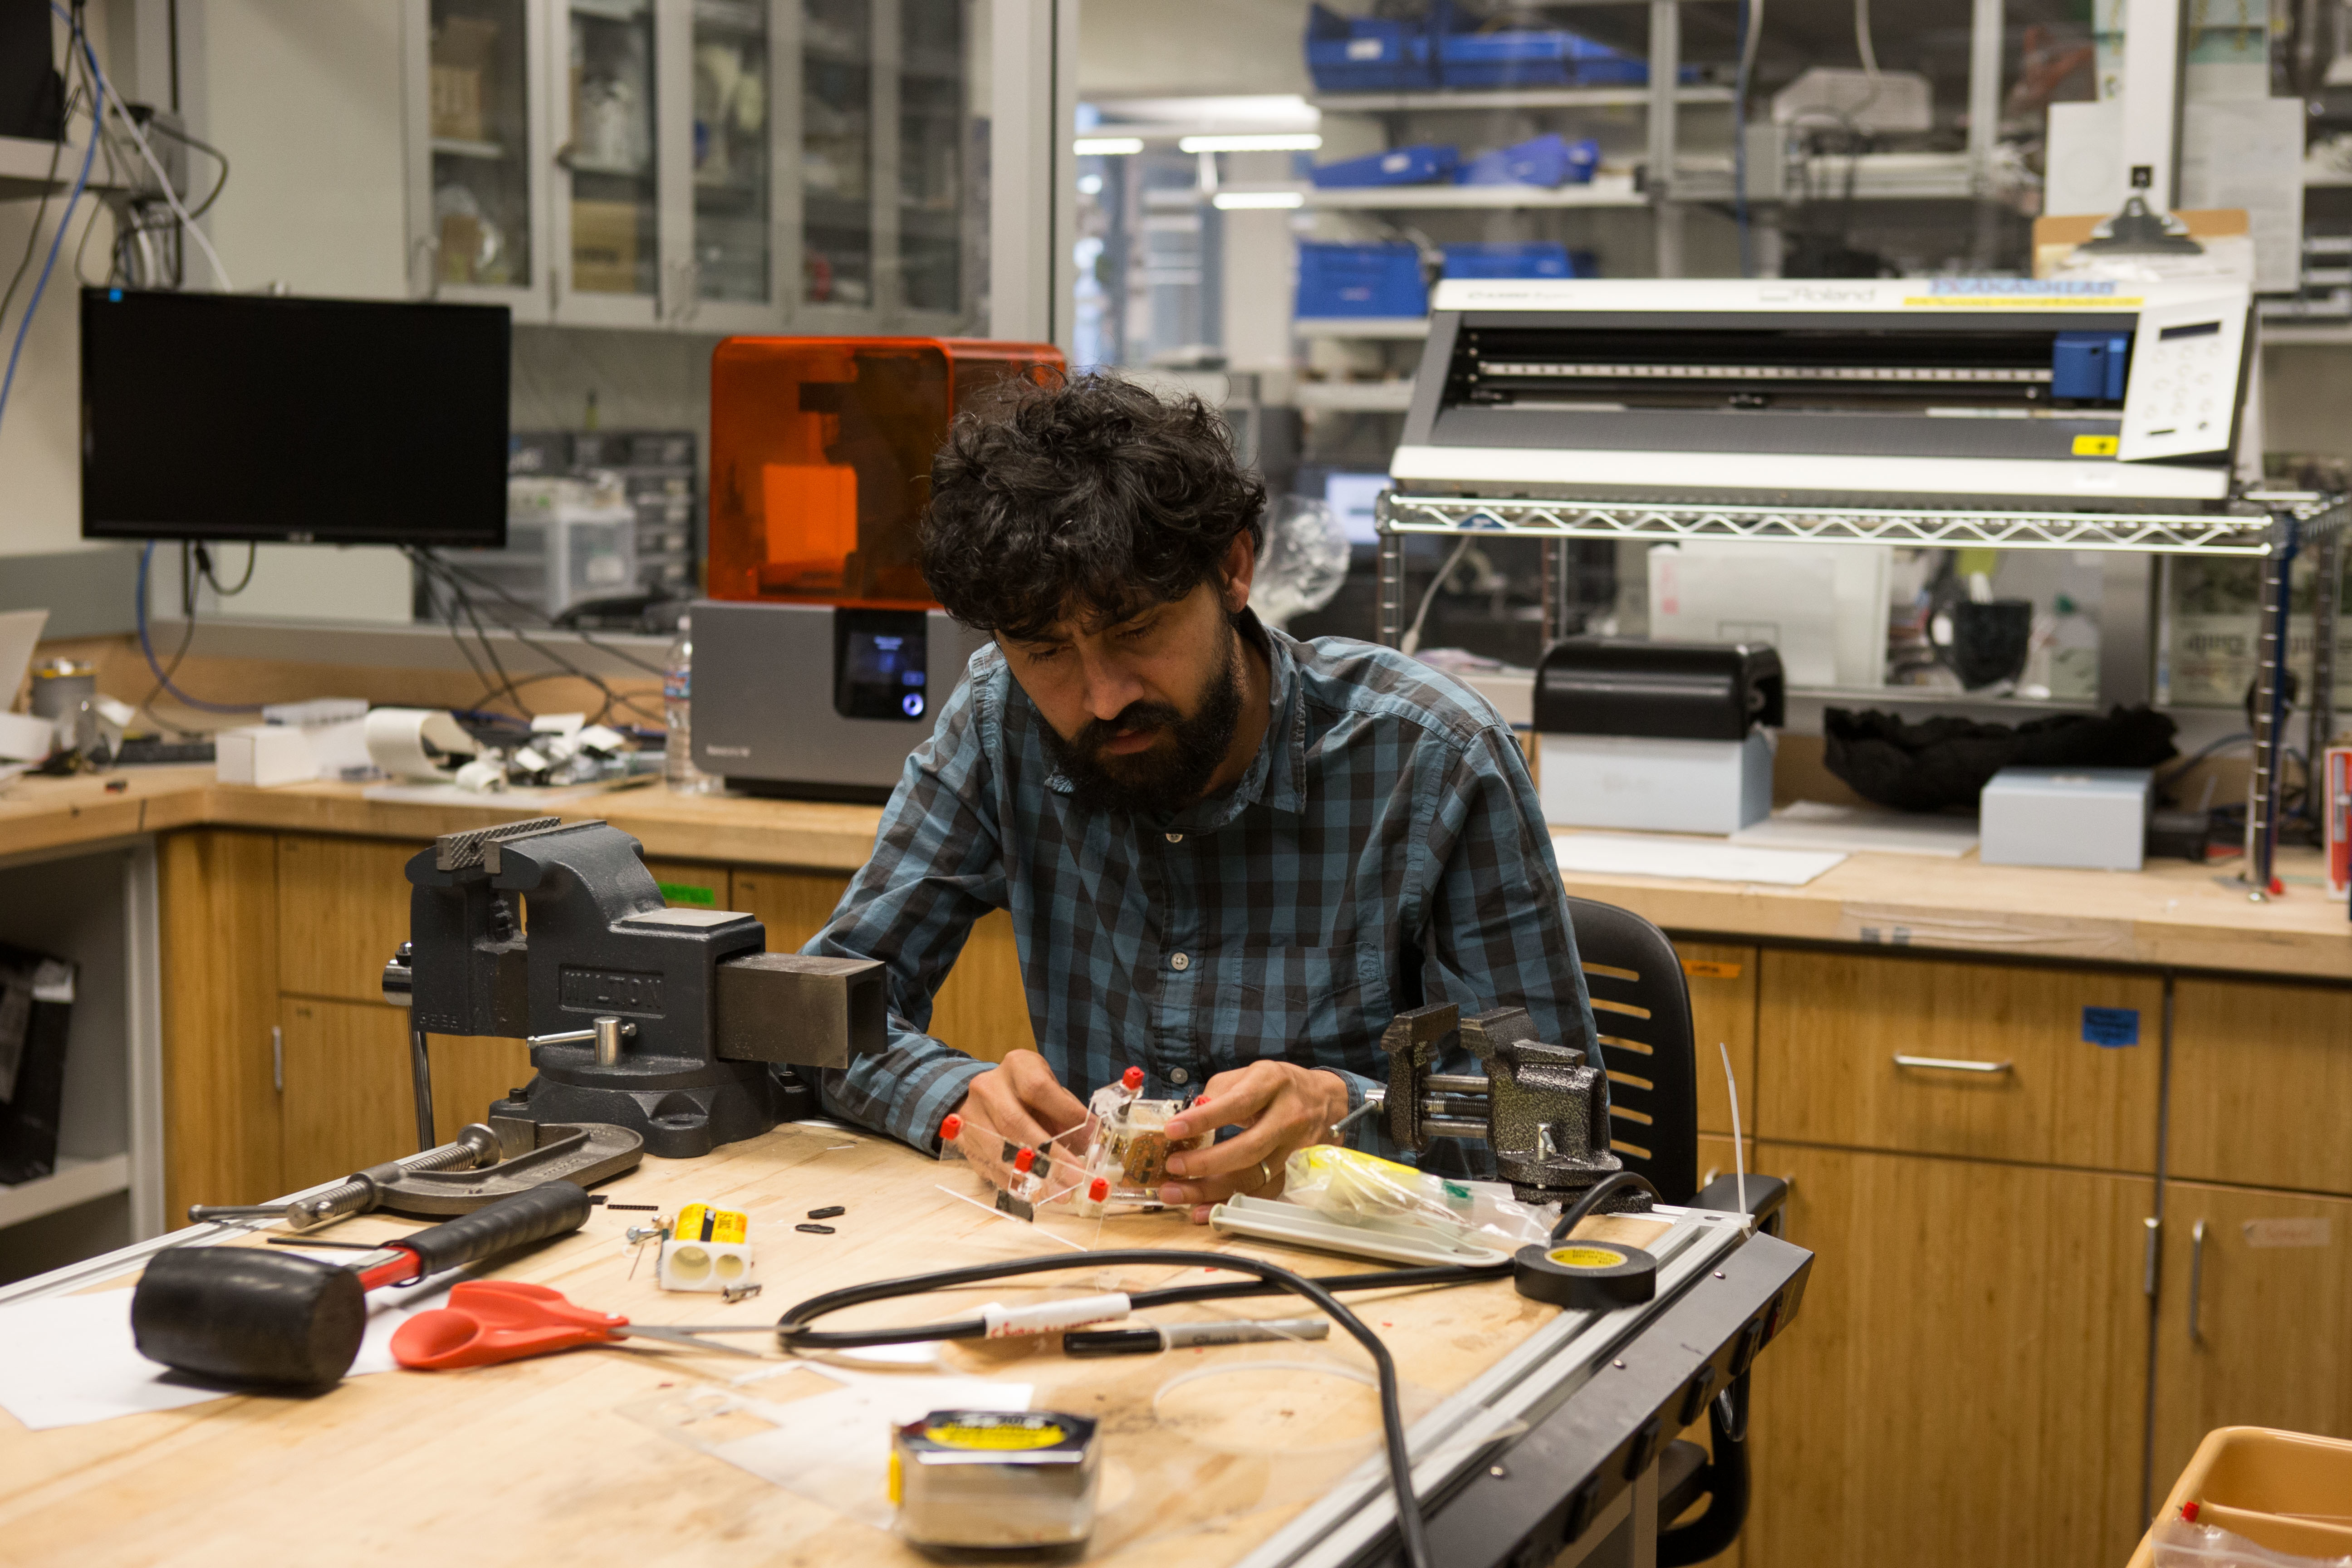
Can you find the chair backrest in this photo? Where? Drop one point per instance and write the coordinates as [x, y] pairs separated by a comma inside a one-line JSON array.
[[1640, 1007]]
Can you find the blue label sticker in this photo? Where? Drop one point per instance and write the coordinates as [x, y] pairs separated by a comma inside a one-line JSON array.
[[2111, 1026]]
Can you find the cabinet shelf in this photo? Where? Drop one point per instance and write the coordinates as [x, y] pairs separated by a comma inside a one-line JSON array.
[[1475, 101], [1356, 396], [25, 168], [1398, 328], [455, 147], [74, 1182], [1605, 191]]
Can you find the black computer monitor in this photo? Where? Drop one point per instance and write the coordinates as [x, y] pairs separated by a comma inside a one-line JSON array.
[[242, 416]]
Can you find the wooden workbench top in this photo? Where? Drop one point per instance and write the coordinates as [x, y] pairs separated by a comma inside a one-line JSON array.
[[2174, 913], [564, 1459]]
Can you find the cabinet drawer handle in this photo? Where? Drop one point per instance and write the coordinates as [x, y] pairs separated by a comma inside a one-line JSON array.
[[1952, 1064], [2196, 1281], [277, 1058]]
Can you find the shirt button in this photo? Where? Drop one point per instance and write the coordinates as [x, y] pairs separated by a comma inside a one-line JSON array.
[[1175, 838], [1180, 962], [1179, 1076]]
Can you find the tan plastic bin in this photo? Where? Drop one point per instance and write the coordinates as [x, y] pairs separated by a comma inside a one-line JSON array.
[[2285, 1491]]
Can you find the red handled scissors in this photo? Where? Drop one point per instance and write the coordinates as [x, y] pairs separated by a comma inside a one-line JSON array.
[[490, 1320]]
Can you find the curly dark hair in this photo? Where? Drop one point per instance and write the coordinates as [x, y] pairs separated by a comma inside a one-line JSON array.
[[1089, 497]]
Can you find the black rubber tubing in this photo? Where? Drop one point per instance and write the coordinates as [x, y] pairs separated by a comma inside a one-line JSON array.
[[792, 1334], [1607, 1186]]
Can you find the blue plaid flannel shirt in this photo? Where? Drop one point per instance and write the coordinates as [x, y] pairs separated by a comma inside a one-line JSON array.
[[1385, 847]]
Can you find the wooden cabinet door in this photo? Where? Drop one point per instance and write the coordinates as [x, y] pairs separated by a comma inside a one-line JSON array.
[[348, 1102], [343, 905], [1964, 1383], [2262, 1071], [2255, 1324], [1831, 1025], [981, 1008], [1722, 981], [687, 885], [217, 890]]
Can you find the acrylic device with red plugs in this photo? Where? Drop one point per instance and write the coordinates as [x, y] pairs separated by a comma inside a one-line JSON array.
[[1114, 1160]]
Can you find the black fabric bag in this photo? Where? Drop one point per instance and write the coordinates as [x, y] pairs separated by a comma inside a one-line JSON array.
[[1945, 761], [36, 1006]]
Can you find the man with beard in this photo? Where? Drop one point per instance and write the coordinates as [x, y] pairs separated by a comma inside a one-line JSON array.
[[1231, 857]]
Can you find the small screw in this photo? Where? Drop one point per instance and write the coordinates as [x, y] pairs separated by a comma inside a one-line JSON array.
[[639, 1235], [1619, 1366], [815, 1230], [1497, 1471], [1718, 1274], [831, 1211], [733, 1293]]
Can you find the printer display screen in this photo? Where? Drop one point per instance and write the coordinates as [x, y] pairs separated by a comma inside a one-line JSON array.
[[880, 665]]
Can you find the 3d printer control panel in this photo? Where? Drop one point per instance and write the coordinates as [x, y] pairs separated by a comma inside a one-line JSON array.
[[879, 667]]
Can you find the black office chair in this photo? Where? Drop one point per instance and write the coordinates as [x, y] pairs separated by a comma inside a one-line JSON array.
[[1640, 1007]]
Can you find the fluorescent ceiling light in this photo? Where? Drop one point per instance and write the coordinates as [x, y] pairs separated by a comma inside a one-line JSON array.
[[1289, 142], [1107, 146], [1237, 201]]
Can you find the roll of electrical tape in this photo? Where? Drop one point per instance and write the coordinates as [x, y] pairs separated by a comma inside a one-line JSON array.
[[1591, 1276]]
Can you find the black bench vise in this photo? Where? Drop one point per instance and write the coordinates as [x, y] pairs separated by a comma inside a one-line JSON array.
[[1541, 1108], [677, 1023]]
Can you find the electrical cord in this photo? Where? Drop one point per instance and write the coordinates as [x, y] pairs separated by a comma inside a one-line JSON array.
[[452, 579], [1412, 642], [209, 150], [139, 139], [146, 646], [792, 1332], [205, 564], [65, 220], [41, 210], [1606, 1187]]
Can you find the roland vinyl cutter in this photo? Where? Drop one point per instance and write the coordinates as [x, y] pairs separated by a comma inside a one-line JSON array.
[[2004, 393]]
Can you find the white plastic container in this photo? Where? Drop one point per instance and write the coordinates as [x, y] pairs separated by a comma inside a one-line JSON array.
[[1656, 785], [264, 755], [2088, 818]]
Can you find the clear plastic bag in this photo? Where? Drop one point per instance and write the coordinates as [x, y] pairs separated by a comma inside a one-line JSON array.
[[1304, 562], [1352, 1185], [2178, 1543]]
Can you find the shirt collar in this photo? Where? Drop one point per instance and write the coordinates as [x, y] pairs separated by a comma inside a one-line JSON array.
[[1276, 774]]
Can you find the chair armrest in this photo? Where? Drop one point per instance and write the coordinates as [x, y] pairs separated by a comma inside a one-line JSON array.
[[1766, 1195]]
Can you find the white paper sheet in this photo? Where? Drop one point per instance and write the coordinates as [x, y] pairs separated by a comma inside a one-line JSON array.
[[1861, 829], [67, 1361], [1704, 859]]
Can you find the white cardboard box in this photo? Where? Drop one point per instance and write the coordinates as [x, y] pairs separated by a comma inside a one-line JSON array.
[[2091, 818], [264, 755], [1666, 786]]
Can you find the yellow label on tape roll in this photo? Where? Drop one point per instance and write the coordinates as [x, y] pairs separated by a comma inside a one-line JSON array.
[[1586, 1256], [701, 1222], [2095, 446], [1043, 1435]]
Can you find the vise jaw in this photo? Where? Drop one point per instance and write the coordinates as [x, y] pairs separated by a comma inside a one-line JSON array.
[[538, 929], [1542, 1108]]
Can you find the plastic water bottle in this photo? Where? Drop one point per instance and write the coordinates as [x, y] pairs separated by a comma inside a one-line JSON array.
[[677, 715]]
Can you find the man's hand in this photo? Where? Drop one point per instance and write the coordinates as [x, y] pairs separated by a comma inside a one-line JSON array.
[[1020, 1099], [1279, 1106]]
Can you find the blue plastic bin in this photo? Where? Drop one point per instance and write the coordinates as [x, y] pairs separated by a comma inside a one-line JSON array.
[[1367, 54], [1423, 164], [1535, 58], [2089, 366], [1548, 159], [1518, 258], [1361, 280]]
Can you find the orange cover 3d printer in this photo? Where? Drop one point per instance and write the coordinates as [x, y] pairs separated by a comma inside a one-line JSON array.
[[820, 659]]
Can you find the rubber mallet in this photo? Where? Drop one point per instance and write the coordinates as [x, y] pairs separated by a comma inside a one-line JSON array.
[[253, 1318]]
